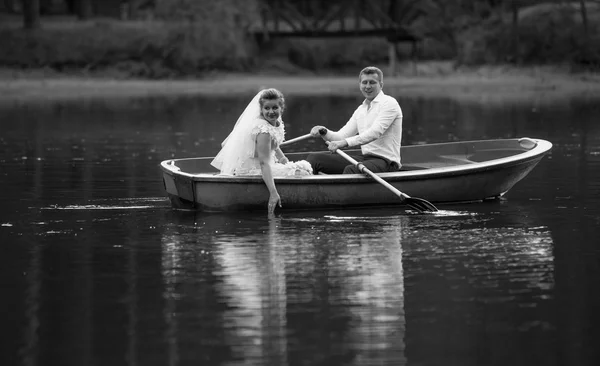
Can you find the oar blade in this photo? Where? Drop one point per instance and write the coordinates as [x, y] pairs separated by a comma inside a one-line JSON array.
[[420, 204]]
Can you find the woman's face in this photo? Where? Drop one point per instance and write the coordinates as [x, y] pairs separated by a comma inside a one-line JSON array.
[[271, 111]]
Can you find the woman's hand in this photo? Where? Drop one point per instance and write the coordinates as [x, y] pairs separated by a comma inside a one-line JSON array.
[[281, 156], [274, 200]]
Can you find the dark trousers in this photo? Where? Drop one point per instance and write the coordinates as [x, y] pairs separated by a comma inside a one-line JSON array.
[[332, 163]]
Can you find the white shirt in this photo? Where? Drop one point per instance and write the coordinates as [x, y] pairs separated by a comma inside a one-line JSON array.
[[377, 128]]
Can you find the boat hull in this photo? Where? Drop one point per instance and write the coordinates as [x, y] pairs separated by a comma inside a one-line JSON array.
[[439, 173]]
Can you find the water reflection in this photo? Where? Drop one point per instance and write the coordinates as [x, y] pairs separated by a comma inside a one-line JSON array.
[[287, 298], [337, 294], [97, 269]]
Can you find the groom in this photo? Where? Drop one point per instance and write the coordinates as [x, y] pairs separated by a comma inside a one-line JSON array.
[[375, 126]]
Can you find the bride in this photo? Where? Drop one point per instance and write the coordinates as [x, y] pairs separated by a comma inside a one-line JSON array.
[[252, 147]]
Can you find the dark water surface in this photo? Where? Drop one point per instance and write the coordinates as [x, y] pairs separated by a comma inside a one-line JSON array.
[[96, 269]]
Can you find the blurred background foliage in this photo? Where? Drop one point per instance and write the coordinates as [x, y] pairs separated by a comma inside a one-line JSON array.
[[174, 38]]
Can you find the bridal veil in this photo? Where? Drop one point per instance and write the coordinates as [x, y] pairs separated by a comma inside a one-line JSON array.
[[239, 145]]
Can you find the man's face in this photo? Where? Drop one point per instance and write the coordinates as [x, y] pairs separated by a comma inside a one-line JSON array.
[[370, 85]]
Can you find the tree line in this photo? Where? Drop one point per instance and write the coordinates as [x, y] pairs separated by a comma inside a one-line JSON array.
[[454, 13], [470, 31], [32, 10]]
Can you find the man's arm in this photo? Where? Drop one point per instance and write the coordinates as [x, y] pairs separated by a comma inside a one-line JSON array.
[[349, 129], [389, 111]]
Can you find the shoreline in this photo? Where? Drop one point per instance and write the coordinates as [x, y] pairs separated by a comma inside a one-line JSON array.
[[483, 84]]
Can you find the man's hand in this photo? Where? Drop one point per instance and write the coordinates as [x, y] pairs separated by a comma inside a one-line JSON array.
[[334, 145], [283, 160], [315, 131]]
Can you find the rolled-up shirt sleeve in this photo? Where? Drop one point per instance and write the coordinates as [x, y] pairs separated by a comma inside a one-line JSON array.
[[388, 112]]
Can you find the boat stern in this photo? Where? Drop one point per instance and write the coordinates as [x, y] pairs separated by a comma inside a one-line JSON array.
[[179, 186]]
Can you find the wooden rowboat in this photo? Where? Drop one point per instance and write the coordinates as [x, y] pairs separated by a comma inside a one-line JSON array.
[[440, 173]]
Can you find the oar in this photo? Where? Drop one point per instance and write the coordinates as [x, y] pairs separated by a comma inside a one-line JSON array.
[[418, 204], [299, 138]]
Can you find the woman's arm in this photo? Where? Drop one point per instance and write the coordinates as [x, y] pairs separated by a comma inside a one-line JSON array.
[[281, 158], [263, 150]]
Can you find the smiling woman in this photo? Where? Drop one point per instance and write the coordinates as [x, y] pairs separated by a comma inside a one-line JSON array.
[[252, 148]]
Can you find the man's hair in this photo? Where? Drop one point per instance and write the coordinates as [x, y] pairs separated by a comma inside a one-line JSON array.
[[370, 70], [272, 94]]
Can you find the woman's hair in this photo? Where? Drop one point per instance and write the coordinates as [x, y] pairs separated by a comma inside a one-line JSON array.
[[369, 70], [272, 94]]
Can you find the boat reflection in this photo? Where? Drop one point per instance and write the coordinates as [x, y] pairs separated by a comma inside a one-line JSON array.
[[341, 287], [290, 288]]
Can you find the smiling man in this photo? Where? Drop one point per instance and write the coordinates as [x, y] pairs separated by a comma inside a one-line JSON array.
[[375, 126]]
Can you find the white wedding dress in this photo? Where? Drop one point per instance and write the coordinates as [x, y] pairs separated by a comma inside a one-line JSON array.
[[238, 153]]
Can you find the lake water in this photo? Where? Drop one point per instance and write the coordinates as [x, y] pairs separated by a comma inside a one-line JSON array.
[[96, 269]]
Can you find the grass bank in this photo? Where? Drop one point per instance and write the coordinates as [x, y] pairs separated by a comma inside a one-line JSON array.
[[433, 79]]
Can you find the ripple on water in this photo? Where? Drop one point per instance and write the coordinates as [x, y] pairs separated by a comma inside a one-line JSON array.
[[124, 204]]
